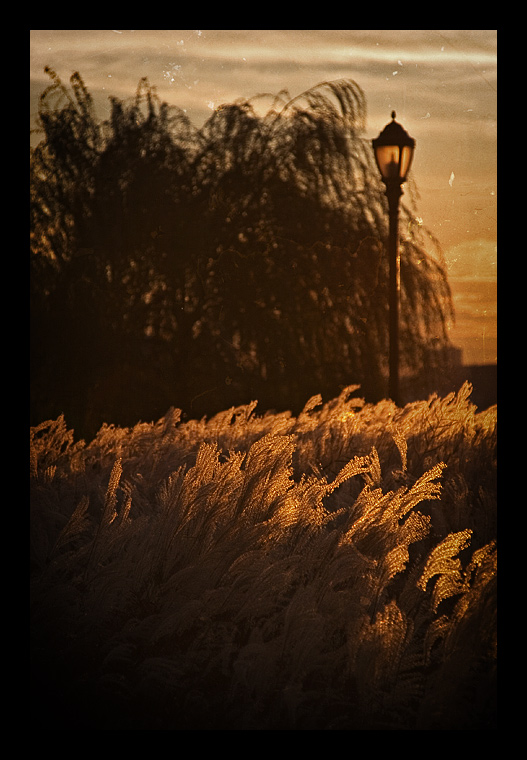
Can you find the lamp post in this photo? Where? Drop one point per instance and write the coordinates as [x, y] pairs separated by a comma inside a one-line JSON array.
[[394, 150]]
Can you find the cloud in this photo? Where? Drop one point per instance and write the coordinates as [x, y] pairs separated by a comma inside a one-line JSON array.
[[473, 260], [429, 65]]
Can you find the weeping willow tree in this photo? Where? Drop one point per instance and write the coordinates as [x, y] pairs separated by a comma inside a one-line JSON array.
[[246, 259]]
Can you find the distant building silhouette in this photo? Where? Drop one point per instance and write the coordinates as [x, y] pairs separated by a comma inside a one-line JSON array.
[[451, 377]]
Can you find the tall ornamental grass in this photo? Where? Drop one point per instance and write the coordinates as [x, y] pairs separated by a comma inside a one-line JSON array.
[[330, 571]]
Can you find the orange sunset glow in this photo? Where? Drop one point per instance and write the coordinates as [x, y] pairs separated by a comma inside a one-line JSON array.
[[442, 83]]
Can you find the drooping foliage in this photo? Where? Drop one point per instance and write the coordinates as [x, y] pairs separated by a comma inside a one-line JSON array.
[[209, 267], [331, 571]]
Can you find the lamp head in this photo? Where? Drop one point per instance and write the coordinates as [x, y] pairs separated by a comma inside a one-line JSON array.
[[394, 150]]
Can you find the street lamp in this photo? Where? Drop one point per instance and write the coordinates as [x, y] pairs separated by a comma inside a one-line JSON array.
[[394, 150]]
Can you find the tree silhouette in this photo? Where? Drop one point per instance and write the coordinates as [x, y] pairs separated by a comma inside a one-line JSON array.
[[204, 268]]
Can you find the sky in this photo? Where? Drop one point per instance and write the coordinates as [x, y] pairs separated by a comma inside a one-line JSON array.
[[441, 83]]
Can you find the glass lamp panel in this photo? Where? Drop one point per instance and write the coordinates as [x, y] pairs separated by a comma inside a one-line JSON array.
[[406, 160], [388, 160]]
